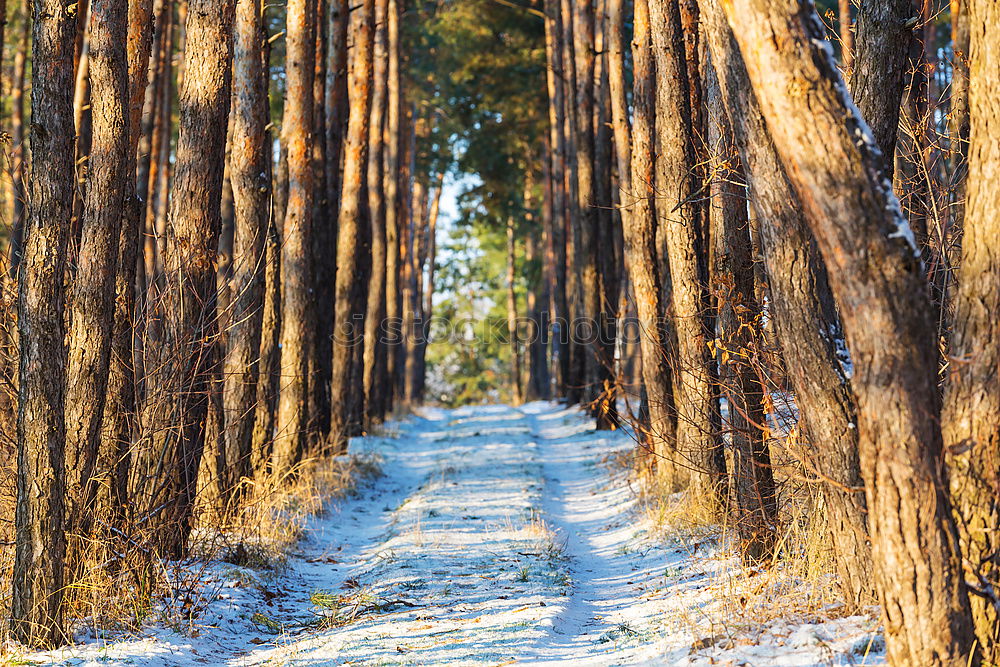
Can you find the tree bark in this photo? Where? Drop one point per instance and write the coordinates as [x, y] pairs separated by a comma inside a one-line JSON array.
[[18, 154], [406, 245], [958, 114], [248, 173], [971, 414], [640, 251], [121, 409], [605, 250], [427, 308], [92, 303], [325, 225], [269, 366], [682, 231], [619, 102], [538, 311], [878, 77], [350, 290], [154, 147], [846, 34], [36, 601], [188, 359], [575, 356], [374, 350], [738, 337], [556, 81], [879, 286], [806, 332], [415, 281], [393, 139], [297, 307], [517, 396], [587, 359], [322, 217]]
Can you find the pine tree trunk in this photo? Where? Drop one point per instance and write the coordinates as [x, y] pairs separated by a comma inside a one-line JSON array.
[[297, 307], [251, 199], [682, 232], [350, 289], [187, 363], [808, 336], [605, 246], [556, 81], [269, 366], [154, 146], [415, 283], [877, 278], [374, 350], [427, 309], [159, 187], [738, 340], [576, 355], [880, 61], [517, 397], [18, 154], [640, 227], [971, 415], [910, 180], [846, 34], [120, 411], [406, 245], [92, 303], [82, 121], [958, 114], [537, 309], [36, 609], [325, 224], [323, 215], [585, 223], [393, 232], [619, 102]]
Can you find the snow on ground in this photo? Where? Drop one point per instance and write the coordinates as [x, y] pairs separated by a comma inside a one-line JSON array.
[[497, 536]]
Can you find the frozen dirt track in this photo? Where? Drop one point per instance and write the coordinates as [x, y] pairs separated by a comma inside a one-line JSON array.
[[497, 535]]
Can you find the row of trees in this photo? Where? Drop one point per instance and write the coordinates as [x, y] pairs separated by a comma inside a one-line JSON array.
[[843, 211], [216, 249]]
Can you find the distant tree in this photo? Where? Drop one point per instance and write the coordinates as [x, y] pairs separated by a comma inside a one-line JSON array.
[[556, 85], [393, 231]]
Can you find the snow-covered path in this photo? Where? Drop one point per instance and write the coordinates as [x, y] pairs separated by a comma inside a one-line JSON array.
[[498, 535]]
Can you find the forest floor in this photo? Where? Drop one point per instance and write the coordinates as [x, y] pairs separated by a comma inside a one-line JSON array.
[[496, 536]]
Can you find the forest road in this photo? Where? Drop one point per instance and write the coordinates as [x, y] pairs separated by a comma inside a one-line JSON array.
[[504, 537], [496, 535]]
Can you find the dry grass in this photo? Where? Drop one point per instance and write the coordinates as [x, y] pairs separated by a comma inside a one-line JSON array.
[[120, 588], [798, 585]]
